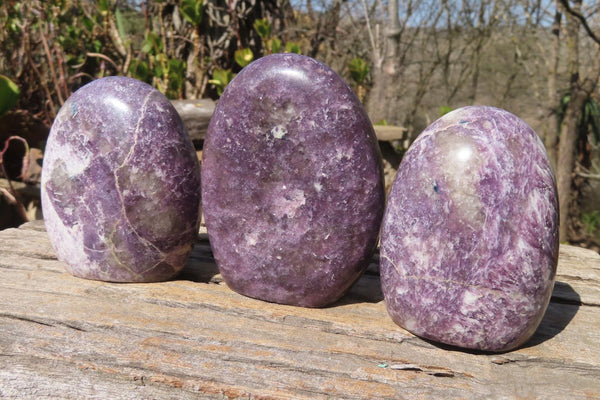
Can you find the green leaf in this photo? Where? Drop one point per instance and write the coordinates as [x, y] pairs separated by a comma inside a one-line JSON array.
[[263, 28], [88, 23], [176, 78], [359, 70], [221, 78], [243, 57], [152, 44], [147, 46], [591, 221], [273, 45], [192, 11], [97, 45], [120, 25], [445, 110], [9, 94], [159, 71], [140, 70], [103, 6], [593, 118], [291, 47]]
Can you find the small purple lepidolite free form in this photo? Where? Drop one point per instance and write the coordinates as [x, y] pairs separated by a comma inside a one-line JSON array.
[[469, 243], [292, 184], [120, 184]]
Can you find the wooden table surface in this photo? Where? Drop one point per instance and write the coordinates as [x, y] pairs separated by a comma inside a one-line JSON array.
[[192, 337]]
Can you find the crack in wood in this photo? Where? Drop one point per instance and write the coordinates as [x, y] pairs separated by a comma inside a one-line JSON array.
[[44, 323]]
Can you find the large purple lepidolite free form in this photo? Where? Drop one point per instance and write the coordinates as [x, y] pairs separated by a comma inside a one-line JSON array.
[[120, 184], [469, 242], [292, 186]]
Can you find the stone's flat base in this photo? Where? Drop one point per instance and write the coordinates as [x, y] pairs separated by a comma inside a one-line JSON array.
[[469, 241], [192, 337]]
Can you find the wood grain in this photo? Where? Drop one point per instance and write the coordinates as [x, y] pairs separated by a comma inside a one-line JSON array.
[[192, 337]]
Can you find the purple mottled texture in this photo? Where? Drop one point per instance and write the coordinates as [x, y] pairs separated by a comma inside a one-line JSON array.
[[469, 242], [292, 183], [120, 184]]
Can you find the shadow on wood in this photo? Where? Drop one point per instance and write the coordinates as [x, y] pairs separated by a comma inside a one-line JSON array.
[[563, 307], [201, 266], [64, 337]]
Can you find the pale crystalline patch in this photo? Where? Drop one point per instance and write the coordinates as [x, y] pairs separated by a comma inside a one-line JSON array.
[[347, 154], [278, 132], [78, 161], [410, 324], [252, 239], [288, 203], [420, 254], [488, 125], [469, 302], [534, 206], [318, 186]]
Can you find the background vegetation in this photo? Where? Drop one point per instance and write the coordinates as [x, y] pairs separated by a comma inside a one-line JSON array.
[[409, 62]]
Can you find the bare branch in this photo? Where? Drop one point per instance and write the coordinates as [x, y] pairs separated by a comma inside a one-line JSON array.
[[375, 48], [595, 177], [102, 56], [586, 173], [582, 19]]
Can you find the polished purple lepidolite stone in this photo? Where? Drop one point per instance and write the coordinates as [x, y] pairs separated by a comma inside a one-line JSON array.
[[292, 183], [469, 242], [120, 184]]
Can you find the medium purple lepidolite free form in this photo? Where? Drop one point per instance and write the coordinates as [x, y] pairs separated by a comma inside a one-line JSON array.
[[469, 242], [120, 184], [292, 186]]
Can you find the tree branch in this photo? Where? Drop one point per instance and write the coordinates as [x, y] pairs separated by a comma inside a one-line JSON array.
[[582, 19], [586, 173], [377, 58]]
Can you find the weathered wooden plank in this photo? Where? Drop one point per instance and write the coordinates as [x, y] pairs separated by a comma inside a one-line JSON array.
[[61, 336], [388, 133], [580, 269], [196, 116]]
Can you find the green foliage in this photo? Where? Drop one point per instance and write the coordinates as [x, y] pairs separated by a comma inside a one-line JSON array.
[[220, 79], [9, 94], [166, 73], [263, 28], [192, 11], [140, 70], [175, 78], [243, 57], [103, 6], [589, 118], [292, 47], [52, 47], [152, 44], [591, 222], [359, 70], [273, 44], [120, 25], [445, 110]]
